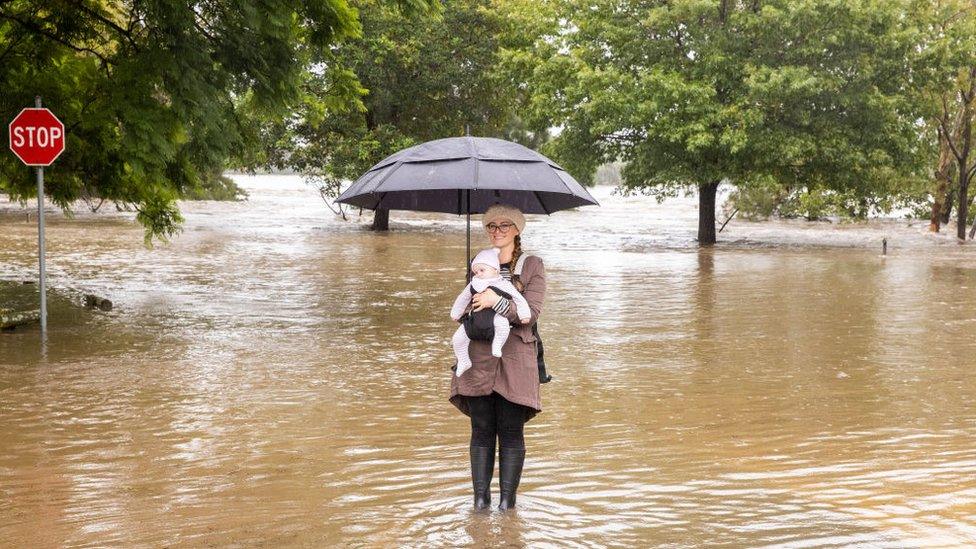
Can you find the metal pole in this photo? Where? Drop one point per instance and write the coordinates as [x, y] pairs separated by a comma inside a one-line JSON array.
[[467, 264], [467, 207], [40, 236]]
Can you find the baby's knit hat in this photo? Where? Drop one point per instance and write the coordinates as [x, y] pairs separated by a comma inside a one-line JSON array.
[[488, 256]]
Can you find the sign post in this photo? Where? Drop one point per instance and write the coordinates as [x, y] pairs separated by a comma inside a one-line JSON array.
[[37, 138]]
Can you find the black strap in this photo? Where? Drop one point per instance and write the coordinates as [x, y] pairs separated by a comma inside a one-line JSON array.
[[495, 289]]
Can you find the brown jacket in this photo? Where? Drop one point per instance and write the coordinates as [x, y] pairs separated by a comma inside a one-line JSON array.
[[514, 375]]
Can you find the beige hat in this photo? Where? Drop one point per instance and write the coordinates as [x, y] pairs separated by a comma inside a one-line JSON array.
[[499, 212]]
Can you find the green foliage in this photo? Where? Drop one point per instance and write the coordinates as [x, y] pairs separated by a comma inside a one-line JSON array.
[[756, 202], [423, 76], [216, 187], [760, 202], [767, 94], [948, 67], [158, 95], [157, 212]]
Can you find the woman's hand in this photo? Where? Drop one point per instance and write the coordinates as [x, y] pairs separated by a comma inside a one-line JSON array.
[[484, 300]]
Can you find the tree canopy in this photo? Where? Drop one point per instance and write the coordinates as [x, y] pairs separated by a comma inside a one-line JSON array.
[[423, 75], [948, 65], [158, 95], [691, 93], [851, 103]]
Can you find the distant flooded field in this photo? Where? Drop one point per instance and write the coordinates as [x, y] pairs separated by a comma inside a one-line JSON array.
[[276, 376]]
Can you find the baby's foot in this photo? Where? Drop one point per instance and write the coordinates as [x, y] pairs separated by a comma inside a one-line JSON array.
[[462, 367], [496, 351]]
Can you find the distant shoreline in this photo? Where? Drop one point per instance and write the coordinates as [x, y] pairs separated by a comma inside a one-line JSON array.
[[672, 223]]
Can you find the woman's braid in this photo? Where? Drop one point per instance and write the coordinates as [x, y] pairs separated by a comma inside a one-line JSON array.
[[516, 279]]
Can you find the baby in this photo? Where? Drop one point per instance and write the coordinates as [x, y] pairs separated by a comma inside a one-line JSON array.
[[486, 268]]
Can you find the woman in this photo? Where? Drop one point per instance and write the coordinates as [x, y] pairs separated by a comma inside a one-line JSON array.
[[500, 394]]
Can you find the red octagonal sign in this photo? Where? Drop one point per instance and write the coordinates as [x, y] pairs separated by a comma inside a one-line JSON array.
[[37, 137]]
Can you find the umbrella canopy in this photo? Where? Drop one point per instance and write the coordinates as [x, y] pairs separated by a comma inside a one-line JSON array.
[[465, 175]]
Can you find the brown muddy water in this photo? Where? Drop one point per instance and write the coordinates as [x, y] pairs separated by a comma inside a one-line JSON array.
[[276, 377]]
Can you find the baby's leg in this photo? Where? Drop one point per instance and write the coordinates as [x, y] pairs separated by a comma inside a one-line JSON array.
[[461, 344], [501, 334]]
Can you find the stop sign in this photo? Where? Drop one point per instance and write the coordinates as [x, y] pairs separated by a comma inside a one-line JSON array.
[[36, 137]]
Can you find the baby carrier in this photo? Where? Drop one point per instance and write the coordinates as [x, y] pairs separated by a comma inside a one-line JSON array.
[[478, 325]]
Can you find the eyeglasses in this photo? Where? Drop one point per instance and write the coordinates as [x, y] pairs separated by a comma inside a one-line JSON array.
[[504, 227]]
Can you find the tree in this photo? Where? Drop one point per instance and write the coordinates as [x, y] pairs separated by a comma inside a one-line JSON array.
[[949, 59], [946, 62], [798, 94], [157, 95], [425, 76], [943, 188]]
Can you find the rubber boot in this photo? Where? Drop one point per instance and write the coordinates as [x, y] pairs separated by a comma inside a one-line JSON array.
[[482, 467], [510, 462]]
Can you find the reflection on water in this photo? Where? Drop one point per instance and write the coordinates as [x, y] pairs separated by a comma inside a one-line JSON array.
[[276, 376]]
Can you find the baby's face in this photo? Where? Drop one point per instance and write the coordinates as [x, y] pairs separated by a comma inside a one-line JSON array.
[[484, 271]]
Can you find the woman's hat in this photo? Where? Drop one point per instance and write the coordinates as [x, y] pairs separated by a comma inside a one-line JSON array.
[[500, 212], [488, 257]]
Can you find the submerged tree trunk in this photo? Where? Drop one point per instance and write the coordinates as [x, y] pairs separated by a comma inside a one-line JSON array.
[[963, 165], [381, 216], [963, 210], [942, 199], [962, 152], [381, 220], [972, 231], [706, 213], [947, 207], [941, 207]]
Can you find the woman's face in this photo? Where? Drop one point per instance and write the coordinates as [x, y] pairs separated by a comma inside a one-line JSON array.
[[501, 233]]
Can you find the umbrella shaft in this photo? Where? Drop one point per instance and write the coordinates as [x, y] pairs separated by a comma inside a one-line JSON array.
[[467, 194]]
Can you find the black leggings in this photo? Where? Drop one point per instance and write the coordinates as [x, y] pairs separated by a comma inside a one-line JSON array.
[[492, 415]]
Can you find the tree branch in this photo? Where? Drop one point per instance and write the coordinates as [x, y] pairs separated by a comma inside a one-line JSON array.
[[196, 23], [81, 116], [946, 133], [33, 27], [11, 46], [729, 219], [123, 32]]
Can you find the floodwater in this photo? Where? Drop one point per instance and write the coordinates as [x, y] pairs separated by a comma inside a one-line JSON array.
[[277, 377]]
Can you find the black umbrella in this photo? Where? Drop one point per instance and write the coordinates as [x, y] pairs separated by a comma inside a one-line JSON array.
[[465, 175]]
